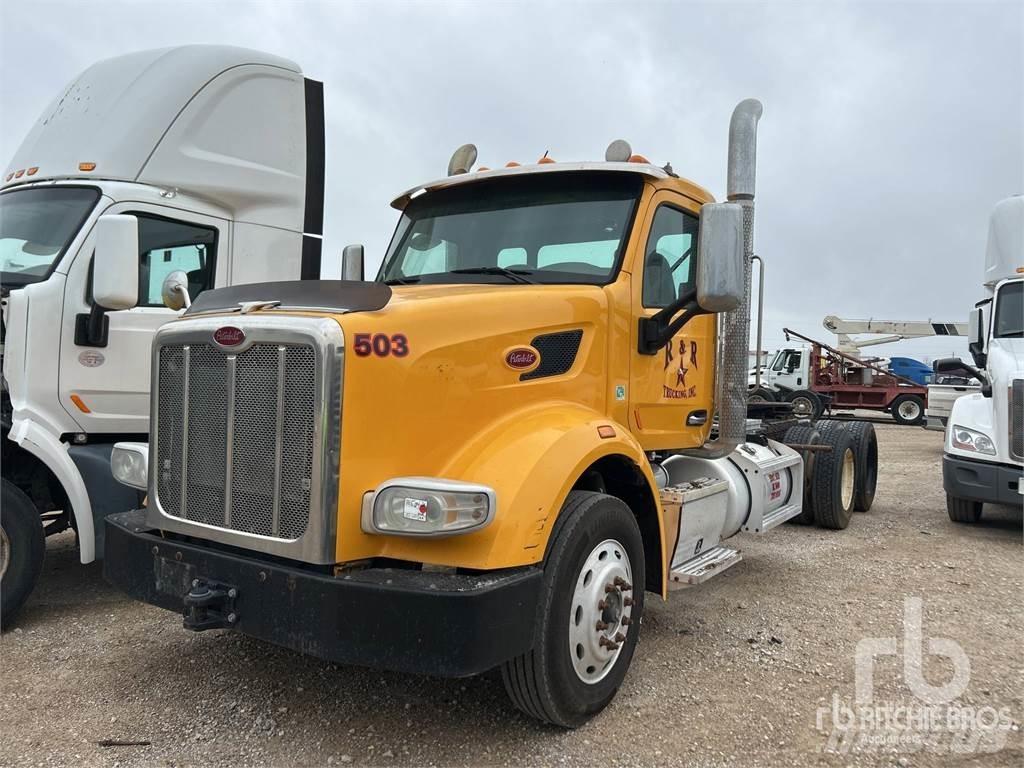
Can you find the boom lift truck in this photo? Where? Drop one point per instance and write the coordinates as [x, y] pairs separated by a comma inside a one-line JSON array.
[[486, 457], [983, 459], [161, 141], [890, 331]]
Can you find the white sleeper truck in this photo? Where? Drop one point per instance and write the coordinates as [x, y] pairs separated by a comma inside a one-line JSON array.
[[983, 458], [208, 161]]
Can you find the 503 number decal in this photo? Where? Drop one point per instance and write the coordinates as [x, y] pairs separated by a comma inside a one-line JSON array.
[[380, 344]]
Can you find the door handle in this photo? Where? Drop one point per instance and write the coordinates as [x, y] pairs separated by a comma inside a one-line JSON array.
[[697, 418]]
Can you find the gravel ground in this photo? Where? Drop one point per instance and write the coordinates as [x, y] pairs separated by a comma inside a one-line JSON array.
[[729, 673]]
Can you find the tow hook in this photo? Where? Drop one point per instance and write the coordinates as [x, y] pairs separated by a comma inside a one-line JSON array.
[[209, 605]]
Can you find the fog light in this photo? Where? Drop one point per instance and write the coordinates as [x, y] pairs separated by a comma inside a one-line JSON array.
[[427, 506], [129, 463]]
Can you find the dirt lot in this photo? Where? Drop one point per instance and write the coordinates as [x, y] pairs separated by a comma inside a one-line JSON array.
[[729, 673]]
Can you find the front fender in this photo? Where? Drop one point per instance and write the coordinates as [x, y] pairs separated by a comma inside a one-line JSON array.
[[531, 459], [54, 454]]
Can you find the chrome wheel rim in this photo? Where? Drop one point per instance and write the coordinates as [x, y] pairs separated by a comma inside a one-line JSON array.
[[802, 406], [909, 410], [5, 552], [601, 611], [848, 478]]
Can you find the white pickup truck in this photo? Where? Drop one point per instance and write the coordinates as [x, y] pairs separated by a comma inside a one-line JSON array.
[[941, 397]]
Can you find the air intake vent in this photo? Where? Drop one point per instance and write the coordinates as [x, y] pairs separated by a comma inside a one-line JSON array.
[[1017, 419], [557, 353]]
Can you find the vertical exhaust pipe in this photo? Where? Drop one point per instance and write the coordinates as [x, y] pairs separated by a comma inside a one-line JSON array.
[[734, 326]]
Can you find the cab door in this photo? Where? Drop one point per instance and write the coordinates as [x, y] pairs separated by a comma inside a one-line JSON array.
[[106, 388], [671, 392]]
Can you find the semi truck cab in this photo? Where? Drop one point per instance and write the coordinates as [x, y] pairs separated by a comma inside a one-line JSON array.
[[163, 138], [983, 460], [488, 456]]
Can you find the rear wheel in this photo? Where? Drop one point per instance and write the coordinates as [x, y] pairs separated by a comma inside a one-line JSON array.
[[806, 404], [865, 451], [804, 434], [761, 395], [833, 480], [588, 620], [963, 510], [908, 409], [22, 547]]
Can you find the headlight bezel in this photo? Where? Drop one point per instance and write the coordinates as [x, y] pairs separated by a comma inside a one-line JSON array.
[[971, 443], [129, 464], [432, 488]]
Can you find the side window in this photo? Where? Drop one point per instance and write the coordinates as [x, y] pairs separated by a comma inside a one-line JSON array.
[[166, 246], [671, 247]]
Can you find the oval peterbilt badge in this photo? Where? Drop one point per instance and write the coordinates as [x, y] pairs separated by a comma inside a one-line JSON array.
[[521, 358], [229, 336]]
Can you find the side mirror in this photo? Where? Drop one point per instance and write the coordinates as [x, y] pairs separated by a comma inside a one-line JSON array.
[[174, 291], [352, 262], [720, 272], [115, 270], [976, 337], [953, 366]]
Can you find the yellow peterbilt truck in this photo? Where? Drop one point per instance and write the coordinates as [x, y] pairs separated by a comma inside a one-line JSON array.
[[485, 457]]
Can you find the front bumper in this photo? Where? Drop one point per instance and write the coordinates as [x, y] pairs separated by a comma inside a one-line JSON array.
[[982, 481], [449, 625]]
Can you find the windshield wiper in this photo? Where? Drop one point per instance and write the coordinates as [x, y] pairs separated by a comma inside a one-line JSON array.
[[402, 280], [515, 275]]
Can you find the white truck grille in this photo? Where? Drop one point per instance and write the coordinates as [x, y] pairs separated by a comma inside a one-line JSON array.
[[1017, 419]]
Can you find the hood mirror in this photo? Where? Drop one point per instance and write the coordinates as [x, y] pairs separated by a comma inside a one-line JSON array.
[[352, 262], [174, 291]]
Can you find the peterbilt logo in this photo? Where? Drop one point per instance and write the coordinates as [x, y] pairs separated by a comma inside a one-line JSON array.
[[521, 358], [229, 336]]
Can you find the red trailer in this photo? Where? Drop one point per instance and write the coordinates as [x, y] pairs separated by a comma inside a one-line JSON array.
[[837, 380]]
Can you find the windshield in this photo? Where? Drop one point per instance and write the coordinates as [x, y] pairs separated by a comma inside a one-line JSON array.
[[36, 226], [1009, 320], [545, 228]]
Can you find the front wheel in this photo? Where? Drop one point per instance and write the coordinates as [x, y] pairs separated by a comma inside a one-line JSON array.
[[963, 510], [588, 620], [22, 547]]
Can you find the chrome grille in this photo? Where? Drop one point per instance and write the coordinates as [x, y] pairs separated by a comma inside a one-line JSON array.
[[236, 436], [1017, 419]]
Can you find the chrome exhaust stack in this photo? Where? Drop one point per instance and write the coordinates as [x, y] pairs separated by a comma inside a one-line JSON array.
[[734, 326]]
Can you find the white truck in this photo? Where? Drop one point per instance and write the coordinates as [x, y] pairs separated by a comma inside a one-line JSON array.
[[159, 147], [983, 457]]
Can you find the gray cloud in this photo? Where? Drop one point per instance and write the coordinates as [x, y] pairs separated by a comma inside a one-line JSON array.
[[889, 130]]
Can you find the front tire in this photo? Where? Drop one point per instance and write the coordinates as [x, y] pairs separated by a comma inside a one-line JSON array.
[[588, 619], [22, 548], [963, 510]]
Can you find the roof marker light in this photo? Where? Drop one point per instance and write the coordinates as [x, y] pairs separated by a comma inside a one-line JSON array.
[[638, 159], [9, 176], [87, 166], [19, 174], [511, 164], [545, 160], [482, 168], [32, 171]]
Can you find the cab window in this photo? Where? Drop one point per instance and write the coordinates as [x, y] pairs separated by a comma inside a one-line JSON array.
[[668, 265], [166, 246]]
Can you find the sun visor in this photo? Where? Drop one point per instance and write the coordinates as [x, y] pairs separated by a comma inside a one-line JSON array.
[[311, 295]]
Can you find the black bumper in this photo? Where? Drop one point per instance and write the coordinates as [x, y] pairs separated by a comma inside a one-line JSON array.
[[411, 621], [981, 481]]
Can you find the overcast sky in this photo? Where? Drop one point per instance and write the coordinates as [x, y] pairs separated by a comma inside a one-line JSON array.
[[889, 130]]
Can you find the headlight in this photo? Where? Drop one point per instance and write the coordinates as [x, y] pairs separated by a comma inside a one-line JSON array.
[[427, 506], [969, 440], [129, 463]]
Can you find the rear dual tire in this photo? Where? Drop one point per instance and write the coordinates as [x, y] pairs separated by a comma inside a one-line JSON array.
[[830, 476], [571, 673]]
